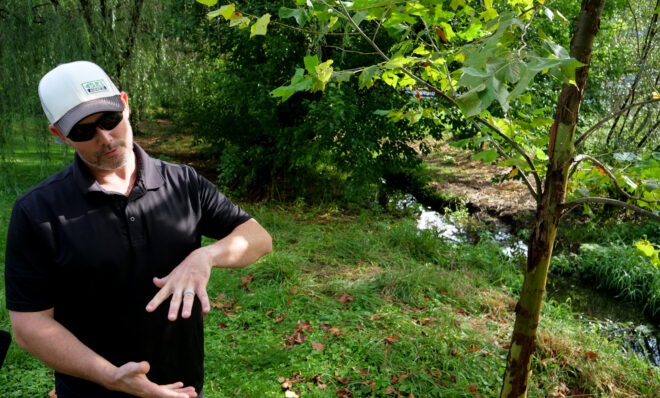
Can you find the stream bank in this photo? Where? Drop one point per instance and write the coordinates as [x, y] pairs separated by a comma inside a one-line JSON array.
[[616, 318]]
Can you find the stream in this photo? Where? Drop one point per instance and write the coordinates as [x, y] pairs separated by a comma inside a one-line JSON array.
[[614, 317]]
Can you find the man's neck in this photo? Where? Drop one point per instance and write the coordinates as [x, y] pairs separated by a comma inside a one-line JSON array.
[[119, 180]]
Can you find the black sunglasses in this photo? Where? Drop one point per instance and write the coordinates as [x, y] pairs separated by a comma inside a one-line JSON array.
[[85, 132]]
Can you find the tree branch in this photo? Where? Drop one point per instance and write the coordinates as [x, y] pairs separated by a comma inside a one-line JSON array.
[[433, 88], [580, 140], [609, 173], [568, 206]]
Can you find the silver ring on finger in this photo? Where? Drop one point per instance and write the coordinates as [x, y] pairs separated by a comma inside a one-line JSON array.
[[188, 291]]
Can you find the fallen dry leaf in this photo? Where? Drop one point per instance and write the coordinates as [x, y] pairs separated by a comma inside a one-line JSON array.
[[222, 325], [398, 379], [391, 390], [52, 394], [363, 372], [472, 388], [345, 298], [318, 346], [391, 339], [344, 393], [306, 326], [376, 317], [319, 383], [245, 281]]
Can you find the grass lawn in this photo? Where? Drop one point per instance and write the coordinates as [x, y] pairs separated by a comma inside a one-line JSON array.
[[361, 303]]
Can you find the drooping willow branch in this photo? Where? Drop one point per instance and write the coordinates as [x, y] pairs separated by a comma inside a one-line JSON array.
[[609, 173], [568, 206], [346, 15]]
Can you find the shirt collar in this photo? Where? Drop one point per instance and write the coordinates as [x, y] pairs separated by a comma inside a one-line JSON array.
[[148, 173]]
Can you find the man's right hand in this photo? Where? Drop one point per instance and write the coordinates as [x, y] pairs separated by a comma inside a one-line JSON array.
[[131, 378]]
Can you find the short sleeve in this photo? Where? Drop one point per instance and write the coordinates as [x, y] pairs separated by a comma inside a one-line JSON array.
[[219, 215], [29, 283]]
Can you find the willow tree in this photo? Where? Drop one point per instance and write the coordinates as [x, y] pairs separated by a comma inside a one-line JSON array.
[[485, 62]]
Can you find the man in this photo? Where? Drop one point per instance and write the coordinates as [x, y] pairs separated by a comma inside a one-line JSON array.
[[94, 250]]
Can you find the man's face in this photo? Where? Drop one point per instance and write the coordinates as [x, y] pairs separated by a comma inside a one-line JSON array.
[[108, 149]]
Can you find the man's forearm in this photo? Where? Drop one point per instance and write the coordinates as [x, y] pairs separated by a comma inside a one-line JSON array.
[[42, 336], [245, 245]]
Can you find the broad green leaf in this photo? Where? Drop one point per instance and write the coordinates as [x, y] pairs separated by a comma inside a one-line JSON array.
[[456, 3], [367, 75], [623, 157], [472, 71], [540, 154], [390, 78], [310, 63], [646, 249], [397, 62], [471, 33], [360, 16], [324, 71], [421, 50], [470, 103], [489, 14], [499, 91], [517, 161], [240, 21], [487, 156], [227, 11], [298, 14], [209, 3], [342, 76], [260, 27], [460, 143], [406, 81], [488, 3]]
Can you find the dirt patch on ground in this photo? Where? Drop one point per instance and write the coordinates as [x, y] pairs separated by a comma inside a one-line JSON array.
[[163, 140], [455, 173]]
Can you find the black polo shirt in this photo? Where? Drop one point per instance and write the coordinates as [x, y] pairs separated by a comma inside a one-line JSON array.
[[92, 254]]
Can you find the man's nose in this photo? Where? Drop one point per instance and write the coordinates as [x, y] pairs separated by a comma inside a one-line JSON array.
[[102, 135]]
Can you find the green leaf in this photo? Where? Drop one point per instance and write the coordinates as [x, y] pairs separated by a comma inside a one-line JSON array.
[[341, 76], [298, 14], [310, 63], [456, 3], [241, 22], [471, 33], [489, 14], [470, 103], [487, 156], [460, 143], [366, 77], [227, 11], [323, 74], [517, 161], [390, 78], [646, 249], [260, 27], [209, 3], [624, 157]]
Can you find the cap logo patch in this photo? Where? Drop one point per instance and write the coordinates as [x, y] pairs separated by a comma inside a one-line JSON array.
[[95, 86]]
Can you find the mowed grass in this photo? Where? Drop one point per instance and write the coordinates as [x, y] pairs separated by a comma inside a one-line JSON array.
[[361, 303]]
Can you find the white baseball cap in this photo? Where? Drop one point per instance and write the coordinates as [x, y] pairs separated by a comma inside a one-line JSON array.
[[73, 91]]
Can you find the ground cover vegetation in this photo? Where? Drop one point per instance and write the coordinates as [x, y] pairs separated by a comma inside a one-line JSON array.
[[352, 141], [484, 72], [362, 303]]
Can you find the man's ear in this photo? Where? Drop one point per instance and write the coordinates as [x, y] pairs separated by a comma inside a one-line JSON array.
[[57, 132], [124, 99]]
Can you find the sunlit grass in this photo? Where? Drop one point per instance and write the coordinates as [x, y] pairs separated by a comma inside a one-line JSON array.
[[364, 302]]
